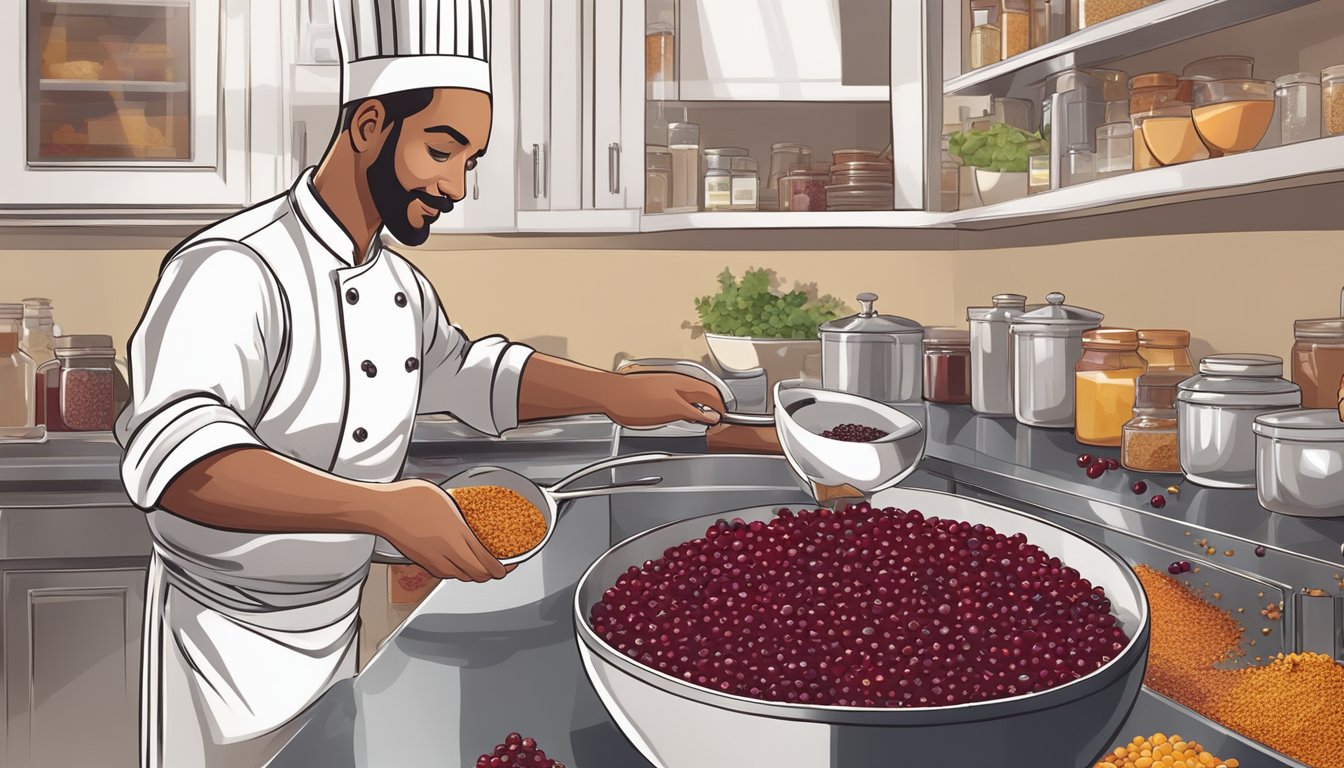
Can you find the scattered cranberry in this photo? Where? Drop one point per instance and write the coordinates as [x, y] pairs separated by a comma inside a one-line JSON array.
[[1096, 470], [1259, 551], [1186, 567], [1139, 487], [518, 752], [1085, 460], [1174, 569], [862, 607], [1112, 464], [854, 433], [1159, 501]]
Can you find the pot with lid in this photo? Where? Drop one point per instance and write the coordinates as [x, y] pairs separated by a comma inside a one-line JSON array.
[[1047, 344], [874, 356]]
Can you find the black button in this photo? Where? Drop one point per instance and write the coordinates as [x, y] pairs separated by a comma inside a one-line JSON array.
[[352, 296], [411, 364], [361, 434], [369, 368], [400, 298]]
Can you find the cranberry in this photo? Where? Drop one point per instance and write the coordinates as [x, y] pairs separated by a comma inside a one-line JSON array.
[[1159, 501], [1186, 567], [1139, 487], [1096, 470], [1259, 551], [854, 433], [1112, 464], [517, 751], [1174, 569], [1085, 460]]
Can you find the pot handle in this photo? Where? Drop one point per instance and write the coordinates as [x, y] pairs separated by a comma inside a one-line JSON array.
[[601, 466]]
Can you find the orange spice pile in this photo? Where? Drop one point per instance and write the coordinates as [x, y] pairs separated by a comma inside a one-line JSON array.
[[505, 522], [1291, 705], [1162, 751]]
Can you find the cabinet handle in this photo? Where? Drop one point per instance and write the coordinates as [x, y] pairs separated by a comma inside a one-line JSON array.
[[536, 171], [614, 167]]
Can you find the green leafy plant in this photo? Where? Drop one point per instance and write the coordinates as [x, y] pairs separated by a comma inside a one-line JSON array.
[[750, 308], [1000, 147]]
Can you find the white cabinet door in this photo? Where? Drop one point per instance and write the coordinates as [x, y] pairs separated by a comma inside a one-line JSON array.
[[609, 178], [72, 667], [534, 104]]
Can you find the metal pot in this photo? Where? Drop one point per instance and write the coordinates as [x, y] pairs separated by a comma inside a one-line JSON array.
[[1047, 344], [874, 356]]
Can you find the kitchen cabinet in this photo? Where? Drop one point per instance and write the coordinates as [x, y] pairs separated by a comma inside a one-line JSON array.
[[141, 107]]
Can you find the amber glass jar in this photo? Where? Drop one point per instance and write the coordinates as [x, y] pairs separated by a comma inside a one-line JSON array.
[[1166, 350], [947, 365], [1318, 361], [1104, 382]]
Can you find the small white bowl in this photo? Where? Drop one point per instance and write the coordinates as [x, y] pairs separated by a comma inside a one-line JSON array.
[[997, 187], [781, 358]]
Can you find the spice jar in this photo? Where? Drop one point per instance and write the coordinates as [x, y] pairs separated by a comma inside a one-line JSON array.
[[1106, 375], [17, 374], [1089, 12], [986, 43], [660, 59], [745, 184], [803, 191], [1047, 344], [1216, 411], [1166, 350], [1332, 99], [80, 394], [947, 365], [784, 158], [1297, 100], [1150, 442], [992, 354], [1148, 92], [1318, 361], [657, 178], [1015, 27]]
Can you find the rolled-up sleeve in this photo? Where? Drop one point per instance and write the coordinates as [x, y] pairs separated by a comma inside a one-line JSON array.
[[477, 381], [200, 362]]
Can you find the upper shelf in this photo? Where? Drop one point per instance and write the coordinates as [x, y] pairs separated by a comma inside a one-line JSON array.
[[777, 91], [1149, 28]]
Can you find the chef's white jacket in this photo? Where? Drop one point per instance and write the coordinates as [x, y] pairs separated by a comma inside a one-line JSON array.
[[263, 331]]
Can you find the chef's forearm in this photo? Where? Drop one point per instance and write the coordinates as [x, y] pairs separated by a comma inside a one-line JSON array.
[[255, 489], [551, 388]]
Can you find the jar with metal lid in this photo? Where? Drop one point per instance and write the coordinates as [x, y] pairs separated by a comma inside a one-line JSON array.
[[992, 354], [1318, 361], [657, 178], [745, 184], [872, 355], [1166, 350], [17, 375], [1297, 99], [1216, 410], [80, 384], [1332, 99], [947, 365], [1150, 441], [1148, 92], [1104, 381], [1299, 462], [1047, 345]]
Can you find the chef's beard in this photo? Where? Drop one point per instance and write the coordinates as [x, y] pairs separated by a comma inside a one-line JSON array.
[[393, 201]]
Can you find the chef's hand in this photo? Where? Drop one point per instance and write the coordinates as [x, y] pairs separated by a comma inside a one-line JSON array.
[[653, 399], [421, 520]]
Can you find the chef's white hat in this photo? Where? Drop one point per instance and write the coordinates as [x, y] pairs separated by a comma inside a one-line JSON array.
[[400, 45]]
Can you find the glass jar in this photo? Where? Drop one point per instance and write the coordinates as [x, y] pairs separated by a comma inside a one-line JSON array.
[[1078, 165], [683, 144], [38, 330], [1089, 12], [1149, 443], [1115, 91], [1115, 150], [1233, 116], [657, 178], [1219, 68], [718, 189], [1104, 385], [1332, 99], [660, 60], [785, 158], [1015, 26], [745, 184], [1318, 361], [17, 375], [1297, 100], [1148, 92], [1038, 174], [803, 192], [1040, 23], [80, 385], [986, 43], [947, 365], [1166, 350]]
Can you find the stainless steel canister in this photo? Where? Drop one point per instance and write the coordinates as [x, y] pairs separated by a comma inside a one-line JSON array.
[[879, 357], [1047, 343], [992, 354], [1299, 462]]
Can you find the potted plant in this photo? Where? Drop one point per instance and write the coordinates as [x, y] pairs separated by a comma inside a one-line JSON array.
[[999, 156], [748, 326]]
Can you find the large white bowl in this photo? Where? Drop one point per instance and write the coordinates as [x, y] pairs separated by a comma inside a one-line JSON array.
[[781, 358], [678, 725], [997, 187]]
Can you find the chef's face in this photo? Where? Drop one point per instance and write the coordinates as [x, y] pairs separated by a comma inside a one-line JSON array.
[[421, 166]]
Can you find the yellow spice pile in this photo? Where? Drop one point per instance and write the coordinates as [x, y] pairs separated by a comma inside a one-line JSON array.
[[1291, 705], [505, 522], [1161, 751]]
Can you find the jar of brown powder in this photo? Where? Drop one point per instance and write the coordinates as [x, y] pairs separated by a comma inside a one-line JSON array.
[[1149, 440]]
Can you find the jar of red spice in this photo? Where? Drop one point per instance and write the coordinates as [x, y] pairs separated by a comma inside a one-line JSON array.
[[1318, 360], [80, 384], [803, 191], [947, 365]]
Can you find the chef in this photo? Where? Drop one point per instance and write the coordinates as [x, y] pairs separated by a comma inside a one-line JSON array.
[[276, 374]]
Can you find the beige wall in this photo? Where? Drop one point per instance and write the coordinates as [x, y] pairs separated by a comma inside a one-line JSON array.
[[1236, 291]]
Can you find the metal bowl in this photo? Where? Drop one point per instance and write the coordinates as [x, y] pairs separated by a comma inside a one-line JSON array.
[[803, 413], [678, 725]]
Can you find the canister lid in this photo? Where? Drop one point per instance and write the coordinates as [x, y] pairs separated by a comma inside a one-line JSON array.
[[82, 341], [1298, 78], [1006, 306], [744, 164], [1111, 338], [11, 311], [1262, 366], [869, 321], [727, 151], [1154, 80], [1241, 380], [1329, 328], [656, 149], [947, 337], [1056, 312], [1314, 425], [1164, 339]]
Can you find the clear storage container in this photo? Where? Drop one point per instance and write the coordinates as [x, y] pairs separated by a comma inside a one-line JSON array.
[[787, 158], [1148, 92], [1089, 12], [17, 376], [1297, 100], [1220, 68], [1015, 26], [1232, 116], [660, 59], [657, 178], [1115, 150], [986, 43], [683, 143], [745, 184], [1318, 361], [1332, 99], [1106, 376], [803, 192], [80, 384]]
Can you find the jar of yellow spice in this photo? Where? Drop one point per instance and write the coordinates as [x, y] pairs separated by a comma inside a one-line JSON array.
[[1104, 385]]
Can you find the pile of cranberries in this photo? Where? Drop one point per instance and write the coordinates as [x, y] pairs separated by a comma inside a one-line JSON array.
[[854, 433], [517, 752], [864, 608]]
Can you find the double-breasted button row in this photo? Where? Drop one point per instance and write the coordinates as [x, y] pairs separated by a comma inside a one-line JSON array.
[[352, 297], [371, 370]]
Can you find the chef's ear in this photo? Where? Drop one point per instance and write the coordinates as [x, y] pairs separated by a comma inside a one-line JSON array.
[[368, 127]]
